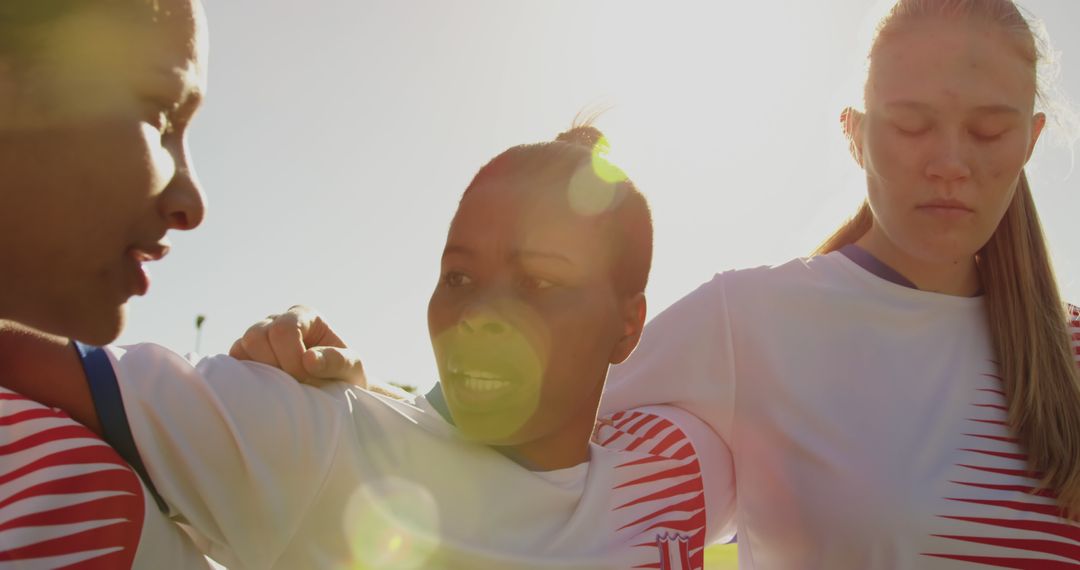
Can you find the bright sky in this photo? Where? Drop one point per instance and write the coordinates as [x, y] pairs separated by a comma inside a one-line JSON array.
[[338, 136]]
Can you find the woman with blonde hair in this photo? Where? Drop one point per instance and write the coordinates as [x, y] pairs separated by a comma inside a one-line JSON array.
[[909, 396]]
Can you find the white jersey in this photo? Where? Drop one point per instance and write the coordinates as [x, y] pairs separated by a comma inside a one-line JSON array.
[[275, 474], [67, 500], [865, 420]]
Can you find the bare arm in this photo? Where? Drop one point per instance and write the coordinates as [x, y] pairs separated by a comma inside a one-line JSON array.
[[46, 369]]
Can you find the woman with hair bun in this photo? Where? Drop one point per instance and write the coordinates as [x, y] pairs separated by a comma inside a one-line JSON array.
[[909, 396], [541, 288]]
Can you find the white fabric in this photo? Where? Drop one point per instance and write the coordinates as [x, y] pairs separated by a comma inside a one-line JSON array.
[[864, 420], [274, 474], [67, 498]]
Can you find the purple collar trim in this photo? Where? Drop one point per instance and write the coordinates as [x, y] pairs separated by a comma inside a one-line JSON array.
[[864, 259]]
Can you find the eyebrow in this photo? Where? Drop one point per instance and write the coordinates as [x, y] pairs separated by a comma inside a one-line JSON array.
[[456, 250], [516, 256], [998, 109], [532, 254], [912, 105]]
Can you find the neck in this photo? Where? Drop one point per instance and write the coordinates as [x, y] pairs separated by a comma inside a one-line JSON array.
[[957, 277], [564, 447]]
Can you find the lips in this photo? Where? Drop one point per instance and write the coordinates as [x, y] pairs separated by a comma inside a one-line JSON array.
[[946, 211], [486, 379], [479, 377], [945, 204], [151, 252], [139, 256], [478, 380]]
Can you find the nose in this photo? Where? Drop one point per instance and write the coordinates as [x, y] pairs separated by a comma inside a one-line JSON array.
[[481, 319], [948, 161], [183, 203]]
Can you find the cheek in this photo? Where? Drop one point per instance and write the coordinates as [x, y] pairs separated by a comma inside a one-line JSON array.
[[124, 169], [583, 337], [1000, 167], [441, 315], [1003, 162], [889, 157]]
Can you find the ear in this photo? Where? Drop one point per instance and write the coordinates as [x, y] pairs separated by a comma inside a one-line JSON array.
[[851, 122], [1038, 122], [633, 321]]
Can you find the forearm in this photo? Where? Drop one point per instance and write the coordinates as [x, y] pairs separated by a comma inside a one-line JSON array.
[[47, 369]]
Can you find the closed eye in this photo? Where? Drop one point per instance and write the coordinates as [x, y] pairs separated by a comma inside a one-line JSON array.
[[911, 131], [987, 136]]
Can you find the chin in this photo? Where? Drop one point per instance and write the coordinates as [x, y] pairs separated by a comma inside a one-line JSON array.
[[100, 327], [490, 431], [944, 250]]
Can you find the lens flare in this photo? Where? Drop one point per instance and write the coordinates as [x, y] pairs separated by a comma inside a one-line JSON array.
[[603, 168], [392, 523], [593, 188], [492, 382], [588, 194]]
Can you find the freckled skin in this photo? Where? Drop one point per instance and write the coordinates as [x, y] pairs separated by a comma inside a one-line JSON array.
[[921, 140]]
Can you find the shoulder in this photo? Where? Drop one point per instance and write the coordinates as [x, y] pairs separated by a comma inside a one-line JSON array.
[[61, 463], [658, 485], [149, 364], [757, 291], [747, 281], [158, 384]]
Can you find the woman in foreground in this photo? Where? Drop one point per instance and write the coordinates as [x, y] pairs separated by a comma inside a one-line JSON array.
[[96, 97]]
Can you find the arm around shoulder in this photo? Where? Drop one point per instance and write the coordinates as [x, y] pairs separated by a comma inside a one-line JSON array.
[[685, 359], [238, 450]]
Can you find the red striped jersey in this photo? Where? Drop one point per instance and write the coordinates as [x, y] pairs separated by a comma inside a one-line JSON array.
[[865, 421], [274, 474], [67, 500], [659, 499]]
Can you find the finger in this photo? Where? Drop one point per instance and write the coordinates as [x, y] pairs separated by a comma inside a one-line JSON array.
[[287, 344], [237, 350], [314, 330], [257, 344], [330, 363]]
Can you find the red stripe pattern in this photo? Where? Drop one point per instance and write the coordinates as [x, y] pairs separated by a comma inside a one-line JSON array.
[[660, 498], [67, 500], [1074, 330], [1023, 524]]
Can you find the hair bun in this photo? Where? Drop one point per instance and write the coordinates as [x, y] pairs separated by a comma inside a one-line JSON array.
[[587, 136]]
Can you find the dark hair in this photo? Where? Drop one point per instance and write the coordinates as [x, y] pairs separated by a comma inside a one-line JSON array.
[[574, 159]]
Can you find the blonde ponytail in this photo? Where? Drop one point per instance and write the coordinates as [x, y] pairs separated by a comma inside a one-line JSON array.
[[1029, 327]]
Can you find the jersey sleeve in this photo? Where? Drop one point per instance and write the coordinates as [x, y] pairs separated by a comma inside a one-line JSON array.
[[237, 450], [684, 359], [682, 489], [1074, 331]]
